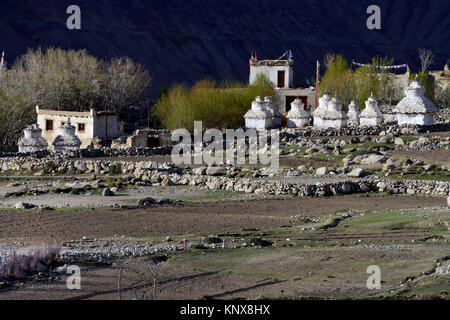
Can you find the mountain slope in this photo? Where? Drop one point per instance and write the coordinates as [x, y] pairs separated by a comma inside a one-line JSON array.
[[184, 41]]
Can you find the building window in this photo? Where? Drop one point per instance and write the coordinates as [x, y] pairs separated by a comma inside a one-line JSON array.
[[48, 125], [81, 127]]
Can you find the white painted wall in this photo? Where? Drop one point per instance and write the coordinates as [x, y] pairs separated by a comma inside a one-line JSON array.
[[271, 72]]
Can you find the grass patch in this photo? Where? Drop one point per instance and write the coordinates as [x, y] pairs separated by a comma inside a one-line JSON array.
[[397, 221], [418, 176], [339, 265], [210, 196], [428, 288]]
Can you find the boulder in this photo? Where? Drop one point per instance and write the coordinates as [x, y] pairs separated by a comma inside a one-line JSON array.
[[357, 172], [322, 171], [216, 171], [167, 182], [146, 202], [24, 205], [374, 159], [107, 192], [199, 171]]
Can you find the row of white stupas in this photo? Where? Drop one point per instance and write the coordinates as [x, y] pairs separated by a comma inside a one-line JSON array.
[[412, 109], [33, 141]]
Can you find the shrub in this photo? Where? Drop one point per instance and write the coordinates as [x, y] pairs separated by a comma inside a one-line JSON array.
[[18, 266], [261, 242], [219, 106]]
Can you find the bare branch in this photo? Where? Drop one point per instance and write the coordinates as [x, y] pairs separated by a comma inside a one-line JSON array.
[[426, 58]]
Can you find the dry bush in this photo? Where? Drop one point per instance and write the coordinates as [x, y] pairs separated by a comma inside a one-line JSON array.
[[18, 266]]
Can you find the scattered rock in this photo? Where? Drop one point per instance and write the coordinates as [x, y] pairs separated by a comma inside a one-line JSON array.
[[107, 192], [146, 202], [24, 205], [216, 171], [399, 141], [322, 171], [167, 182], [373, 159], [357, 172]]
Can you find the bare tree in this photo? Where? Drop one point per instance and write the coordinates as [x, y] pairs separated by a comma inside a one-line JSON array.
[[329, 58], [65, 80], [426, 58]]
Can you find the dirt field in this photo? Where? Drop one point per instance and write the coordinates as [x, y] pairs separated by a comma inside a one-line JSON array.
[[197, 218], [318, 263]]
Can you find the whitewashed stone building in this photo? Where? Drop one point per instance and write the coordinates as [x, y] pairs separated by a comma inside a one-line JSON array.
[[353, 114], [281, 74], [66, 138], [32, 140], [276, 114], [88, 125], [371, 115], [298, 116], [334, 117], [258, 117], [321, 110], [415, 108]]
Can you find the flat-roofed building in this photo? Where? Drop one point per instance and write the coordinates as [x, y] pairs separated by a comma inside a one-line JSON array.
[[87, 124]]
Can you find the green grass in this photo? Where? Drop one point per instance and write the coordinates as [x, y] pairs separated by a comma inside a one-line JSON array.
[[426, 287], [397, 221], [339, 265], [210, 196], [439, 176], [369, 145]]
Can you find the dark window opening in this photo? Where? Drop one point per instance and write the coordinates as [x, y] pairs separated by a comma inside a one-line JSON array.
[[48, 125], [81, 127]]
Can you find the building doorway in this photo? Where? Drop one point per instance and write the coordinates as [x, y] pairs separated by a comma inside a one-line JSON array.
[[280, 79]]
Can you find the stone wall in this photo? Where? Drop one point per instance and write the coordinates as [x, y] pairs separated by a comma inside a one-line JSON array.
[[148, 171], [91, 153]]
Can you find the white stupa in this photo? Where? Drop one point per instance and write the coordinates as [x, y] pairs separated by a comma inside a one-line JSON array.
[[353, 114], [258, 117], [334, 117], [415, 108], [66, 139], [321, 110], [297, 117], [371, 115], [276, 114], [32, 140]]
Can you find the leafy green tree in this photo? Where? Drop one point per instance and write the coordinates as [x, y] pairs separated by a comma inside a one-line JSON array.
[[216, 105], [338, 79], [358, 85]]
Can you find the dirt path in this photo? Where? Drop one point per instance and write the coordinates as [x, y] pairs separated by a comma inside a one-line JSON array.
[[197, 219]]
